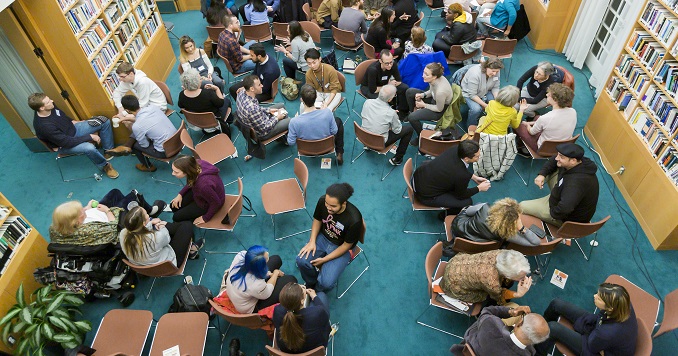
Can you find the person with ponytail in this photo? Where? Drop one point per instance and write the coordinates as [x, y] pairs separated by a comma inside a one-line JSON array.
[[147, 241], [337, 227], [254, 280], [300, 327]]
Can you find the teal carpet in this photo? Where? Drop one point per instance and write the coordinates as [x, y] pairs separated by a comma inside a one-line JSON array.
[[377, 316]]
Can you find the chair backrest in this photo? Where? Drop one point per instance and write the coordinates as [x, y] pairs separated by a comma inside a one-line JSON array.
[[361, 69], [368, 48], [315, 147], [160, 269], [259, 32], [435, 147], [214, 31], [568, 78], [458, 54], [432, 260], [203, 120], [315, 4], [467, 246], [670, 320], [644, 339], [342, 81], [187, 141], [165, 91], [228, 64], [535, 250], [306, 8], [548, 148], [499, 48], [645, 305], [318, 351], [252, 321], [573, 230], [312, 28], [342, 37], [407, 175], [235, 209], [370, 140], [301, 171], [474, 15], [467, 351], [173, 145], [281, 30], [421, 17], [274, 88], [180, 69]]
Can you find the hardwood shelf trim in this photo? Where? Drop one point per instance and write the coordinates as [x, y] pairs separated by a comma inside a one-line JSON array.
[[9, 213]]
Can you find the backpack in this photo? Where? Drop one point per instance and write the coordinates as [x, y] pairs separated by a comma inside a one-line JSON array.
[[288, 89], [191, 298], [331, 59]]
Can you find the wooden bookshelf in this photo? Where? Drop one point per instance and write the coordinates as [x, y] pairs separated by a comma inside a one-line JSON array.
[[635, 122], [550, 22], [29, 254]]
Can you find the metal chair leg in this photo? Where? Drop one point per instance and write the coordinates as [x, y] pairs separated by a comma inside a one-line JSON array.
[[290, 235], [148, 295], [384, 168], [357, 278], [74, 179], [433, 327], [352, 152], [594, 243], [519, 175], [418, 232]]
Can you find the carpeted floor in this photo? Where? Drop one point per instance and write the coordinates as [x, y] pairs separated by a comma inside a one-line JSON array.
[[377, 316]]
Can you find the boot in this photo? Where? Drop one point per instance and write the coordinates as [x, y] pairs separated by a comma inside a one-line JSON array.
[[110, 171]]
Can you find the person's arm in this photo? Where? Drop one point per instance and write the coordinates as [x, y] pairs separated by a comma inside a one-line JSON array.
[[57, 137], [333, 125], [371, 74], [291, 133], [542, 92], [549, 167], [334, 254], [141, 138], [118, 93], [513, 14], [309, 248], [185, 66], [525, 238], [525, 77], [396, 125], [518, 118], [208, 63], [363, 25], [212, 197], [441, 98], [396, 75], [536, 127], [569, 199]]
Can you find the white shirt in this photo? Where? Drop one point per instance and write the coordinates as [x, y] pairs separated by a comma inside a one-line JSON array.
[[515, 340]]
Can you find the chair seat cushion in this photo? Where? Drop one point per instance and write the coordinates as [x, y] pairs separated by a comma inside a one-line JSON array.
[[282, 196]]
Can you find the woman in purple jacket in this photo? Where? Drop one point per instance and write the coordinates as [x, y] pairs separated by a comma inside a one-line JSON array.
[[203, 194]]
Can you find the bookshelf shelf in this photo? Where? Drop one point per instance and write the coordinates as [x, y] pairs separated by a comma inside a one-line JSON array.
[[9, 213], [642, 90]]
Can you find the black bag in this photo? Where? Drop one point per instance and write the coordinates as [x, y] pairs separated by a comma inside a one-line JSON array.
[[331, 59], [191, 298], [449, 134], [521, 27]]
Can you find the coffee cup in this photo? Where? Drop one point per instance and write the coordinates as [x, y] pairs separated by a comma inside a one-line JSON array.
[[116, 122]]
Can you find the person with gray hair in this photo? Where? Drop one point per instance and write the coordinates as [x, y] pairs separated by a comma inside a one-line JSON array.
[[474, 278], [500, 112], [490, 336], [209, 99], [380, 118], [538, 79]]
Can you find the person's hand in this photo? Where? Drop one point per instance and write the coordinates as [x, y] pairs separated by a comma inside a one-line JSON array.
[[484, 186], [539, 181], [419, 104], [272, 110], [104, 208], [280, 273], [519, 224], [199, 220], [325, 104], [270, 8], [209, 77], [95, 138], [418, 96], [506, 33], [311, 293], [524, 286], [393, 82], [318, 262], [280, 48], [211, 87], [309, 248], [523, 105], [478, 179], [521, 310], [404, 17], [176, 202]]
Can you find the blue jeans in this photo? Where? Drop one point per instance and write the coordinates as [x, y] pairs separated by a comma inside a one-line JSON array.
[[325, 279], [247, 65], [475, 111], [84, 129]]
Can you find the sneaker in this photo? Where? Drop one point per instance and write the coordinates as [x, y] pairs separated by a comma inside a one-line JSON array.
[[108, 157], [157, 208], [195, 249], [395, 162], [143, 168], [110, 171], [415, 142], [119, 151]]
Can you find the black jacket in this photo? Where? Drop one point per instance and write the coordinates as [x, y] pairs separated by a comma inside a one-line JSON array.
[[459, 33], [399, 28], [575, 195], [445, 174], [536, 90]]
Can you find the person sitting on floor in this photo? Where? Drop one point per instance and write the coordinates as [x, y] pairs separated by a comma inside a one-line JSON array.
[[539, 78], [208, 99], [266, 123], [500, 112], [300, 327], [254, 280], [316, 124], [203, 194], [328, 12], [558, 124], [266, 69], [382, 72], [379, 118], [147, 241], [150, 129], [500, 222], [324, 79], [59, 131]]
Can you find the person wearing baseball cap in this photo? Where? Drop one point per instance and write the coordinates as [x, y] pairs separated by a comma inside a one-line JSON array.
[[574, 187]]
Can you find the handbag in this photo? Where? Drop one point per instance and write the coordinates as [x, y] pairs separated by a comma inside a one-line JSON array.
[[484, 123], [448, 134], [288, 89], [331, 59]]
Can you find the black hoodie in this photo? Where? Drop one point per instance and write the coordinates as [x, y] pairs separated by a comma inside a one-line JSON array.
[[575, 195]]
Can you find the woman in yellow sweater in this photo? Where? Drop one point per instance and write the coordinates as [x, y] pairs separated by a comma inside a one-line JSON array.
[[501, 112]]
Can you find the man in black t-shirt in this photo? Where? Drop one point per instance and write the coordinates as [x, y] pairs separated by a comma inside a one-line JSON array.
[[337, 227], [382, 72]]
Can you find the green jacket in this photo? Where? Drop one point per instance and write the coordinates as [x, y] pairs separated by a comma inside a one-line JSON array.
[[452, 115]]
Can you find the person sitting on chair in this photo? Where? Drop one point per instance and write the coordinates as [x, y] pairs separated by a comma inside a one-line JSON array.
[[265, 69], [143, 87], [611, 331], [501, 114], [203, 194], [59, 131], [328, 12], [192, 57], [300, 327], [417, 43], [353, 19], [503, 17], [539, 78], [300, 42], [265, 122], [406, 15], [428, 105], [490, 336], [379, 34], [480, 84], [379, 118], [147, 241], [324, 78], [256, 12], [238, 56], [337, 227], [316, 124], [385, 71], [208, 99], [460, 30], [254, 280], [574, 188], [500, 222]]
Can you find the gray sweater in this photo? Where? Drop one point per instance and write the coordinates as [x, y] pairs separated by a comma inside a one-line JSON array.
[[159, 250], [299, 48], [475, 82], [353, 20], [441, 91]]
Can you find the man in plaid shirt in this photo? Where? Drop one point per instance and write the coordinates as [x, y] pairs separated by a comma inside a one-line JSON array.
[[266, 123], [229, 48]]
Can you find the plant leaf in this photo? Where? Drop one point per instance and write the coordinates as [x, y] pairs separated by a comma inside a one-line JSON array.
[[73, 299], [75, 311], [31, 328], [21, 347], [44, 291], [10, 315], [70, 324], [48, 331], [18, 327], [69, 345], [5, 332], [26, 316], [20, 295], [60, 312], [37, 338], [63, 338], [40, 351], [56, 303], [84, 326], [58, 323]]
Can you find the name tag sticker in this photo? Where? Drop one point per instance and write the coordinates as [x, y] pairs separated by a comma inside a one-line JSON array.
[[261, 76], [327, 85], [536, 84], [384, 77], [560, 182], [496, 78], [201, 68]]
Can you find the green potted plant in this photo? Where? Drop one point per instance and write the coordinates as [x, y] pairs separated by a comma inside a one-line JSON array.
[[47, 318]]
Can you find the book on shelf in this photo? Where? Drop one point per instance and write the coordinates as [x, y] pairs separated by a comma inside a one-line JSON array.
[[660, 22], [12, 233]]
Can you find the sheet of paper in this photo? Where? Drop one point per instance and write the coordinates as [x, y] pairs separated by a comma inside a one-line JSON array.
[[172, 351], [559, 278], [326, 163], [428, 126]]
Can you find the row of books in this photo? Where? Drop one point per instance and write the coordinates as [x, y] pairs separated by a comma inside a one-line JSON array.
[[112, 80], [81, 15], [92, 38], [135, 49], [106, 57], [618, 92], [669, 162], [663, 109], [127, 29], [115, 11], [671, 4], [65, 4], [647, 49], [660, 22], [12, 232], [149, 28], [649, 130], [142, 10]]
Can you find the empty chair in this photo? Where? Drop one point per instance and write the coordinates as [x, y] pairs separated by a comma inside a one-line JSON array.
[[358, 75], [355, 252], [287, 195], [132, 326], [645, 305], [431, 147], [274, 92], [226, 218], [371, 142], [416, 204], [345, 41], [187, 330], [64, 155], [258, 33], [568, 78], [172, 147], [575, 230], [670, 321], [317, 148], [201, 120], [502, 49], [546, 151]]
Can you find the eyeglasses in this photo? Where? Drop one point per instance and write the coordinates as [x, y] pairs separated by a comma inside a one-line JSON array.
[[123, 76], [387, 63]]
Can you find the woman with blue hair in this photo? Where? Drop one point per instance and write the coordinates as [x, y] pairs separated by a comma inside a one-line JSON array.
[[254, 280]]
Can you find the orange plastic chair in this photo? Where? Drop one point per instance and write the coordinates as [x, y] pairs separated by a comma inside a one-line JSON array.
[[371, 142], [416, 204]]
